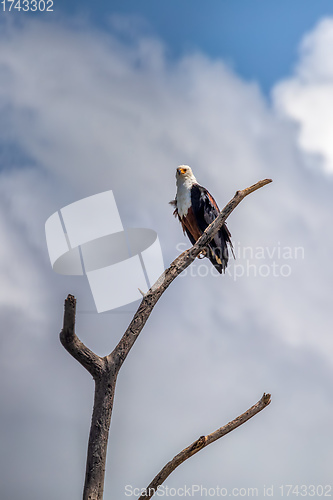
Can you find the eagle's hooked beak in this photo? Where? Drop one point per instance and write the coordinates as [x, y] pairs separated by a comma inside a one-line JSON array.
[[181, 171]]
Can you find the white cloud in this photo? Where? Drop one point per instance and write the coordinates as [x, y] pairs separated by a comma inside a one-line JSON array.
[[307, 96], [87, 114]]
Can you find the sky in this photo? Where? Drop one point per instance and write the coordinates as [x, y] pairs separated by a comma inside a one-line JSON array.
[[116, 96]]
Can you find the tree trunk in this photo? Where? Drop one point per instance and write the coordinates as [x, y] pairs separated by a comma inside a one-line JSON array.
[[99, 433]]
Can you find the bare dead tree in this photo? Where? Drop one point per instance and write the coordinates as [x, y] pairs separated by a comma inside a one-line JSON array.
[[104, 370]]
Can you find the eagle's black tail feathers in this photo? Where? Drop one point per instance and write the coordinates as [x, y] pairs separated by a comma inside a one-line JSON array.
[[218, 252]]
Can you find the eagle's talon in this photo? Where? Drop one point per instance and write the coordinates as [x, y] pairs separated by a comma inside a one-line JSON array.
[[202, 254]]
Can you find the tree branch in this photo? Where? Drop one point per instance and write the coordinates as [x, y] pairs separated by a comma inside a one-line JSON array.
[[201, 443], [91, 361], [177, 266]]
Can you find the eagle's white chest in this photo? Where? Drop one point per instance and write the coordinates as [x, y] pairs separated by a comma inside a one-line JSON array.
[[183, 198]]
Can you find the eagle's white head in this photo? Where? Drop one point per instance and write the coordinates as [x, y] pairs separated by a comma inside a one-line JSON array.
[[185, 177], [185, 180]]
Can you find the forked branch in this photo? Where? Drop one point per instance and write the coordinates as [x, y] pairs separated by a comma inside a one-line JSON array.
[[201, 443]]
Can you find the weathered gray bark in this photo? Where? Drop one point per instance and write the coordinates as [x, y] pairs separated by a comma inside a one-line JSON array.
[[104, 374], [99, 434], [105, 369]]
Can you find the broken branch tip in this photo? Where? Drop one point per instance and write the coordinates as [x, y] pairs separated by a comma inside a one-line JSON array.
[[266, 398]]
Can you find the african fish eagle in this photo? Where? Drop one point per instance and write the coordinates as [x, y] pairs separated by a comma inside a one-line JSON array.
[[196, 209]]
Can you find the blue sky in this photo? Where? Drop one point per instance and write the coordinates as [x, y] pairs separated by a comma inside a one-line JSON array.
[[258, 38], [104, 96]]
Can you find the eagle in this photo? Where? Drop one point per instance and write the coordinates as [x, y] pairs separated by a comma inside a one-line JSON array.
[[196, 208]]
